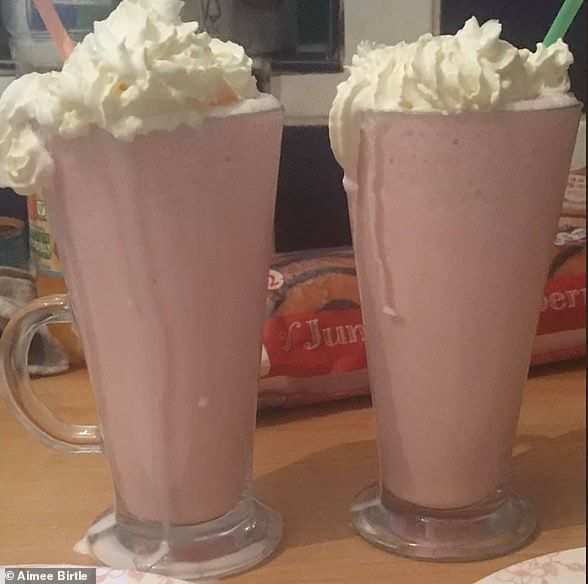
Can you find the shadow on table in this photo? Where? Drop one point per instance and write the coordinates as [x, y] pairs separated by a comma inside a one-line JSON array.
[[277, 416], [557, 367], [314, 493], [551, 472]]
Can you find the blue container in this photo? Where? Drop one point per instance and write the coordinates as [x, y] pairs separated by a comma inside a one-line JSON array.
[[30, 44]]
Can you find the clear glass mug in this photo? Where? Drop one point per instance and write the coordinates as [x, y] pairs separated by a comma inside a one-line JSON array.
[[453, 221], [165, 243]]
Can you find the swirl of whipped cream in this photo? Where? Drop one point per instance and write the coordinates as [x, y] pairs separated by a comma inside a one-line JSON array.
[[472, 71], [142, 69]]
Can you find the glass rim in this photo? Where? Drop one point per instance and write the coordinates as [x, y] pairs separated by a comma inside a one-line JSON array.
[[215, 115], [374, 113]]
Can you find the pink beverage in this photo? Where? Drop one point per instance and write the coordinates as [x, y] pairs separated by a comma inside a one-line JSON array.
[[453, 218], [175, 256], [166, 244]]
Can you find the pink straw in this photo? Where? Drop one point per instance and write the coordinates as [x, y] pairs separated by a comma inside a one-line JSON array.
[[55, 27]]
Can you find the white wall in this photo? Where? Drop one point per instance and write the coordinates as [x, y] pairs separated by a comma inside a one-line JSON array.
[[307, 98], [385, 21], [5, 81]]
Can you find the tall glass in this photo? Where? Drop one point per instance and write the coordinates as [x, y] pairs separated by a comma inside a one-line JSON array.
[[166, 245], [453, 221]]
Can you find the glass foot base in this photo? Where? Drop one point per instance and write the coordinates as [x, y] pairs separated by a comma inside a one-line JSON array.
[[230, 544], [490, 529]]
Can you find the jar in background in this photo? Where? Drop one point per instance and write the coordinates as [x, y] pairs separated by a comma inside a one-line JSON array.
[[49, 273]]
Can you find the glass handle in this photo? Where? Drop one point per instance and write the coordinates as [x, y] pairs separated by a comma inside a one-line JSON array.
[[15, 383]]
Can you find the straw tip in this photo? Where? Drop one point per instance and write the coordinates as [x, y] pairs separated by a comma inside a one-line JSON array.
[[563, 21]]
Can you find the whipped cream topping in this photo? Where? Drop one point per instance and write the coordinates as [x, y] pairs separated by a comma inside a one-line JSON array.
[[472, 71], [142, 69]]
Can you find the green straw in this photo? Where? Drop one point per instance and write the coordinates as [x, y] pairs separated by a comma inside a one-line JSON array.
[[562, 21]]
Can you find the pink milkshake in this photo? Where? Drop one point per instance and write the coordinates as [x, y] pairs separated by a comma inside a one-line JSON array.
[[454, 197], [162, 202], [172, 341], [449, 335]]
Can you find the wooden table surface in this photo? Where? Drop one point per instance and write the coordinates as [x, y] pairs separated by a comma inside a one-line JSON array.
[[309, 464]]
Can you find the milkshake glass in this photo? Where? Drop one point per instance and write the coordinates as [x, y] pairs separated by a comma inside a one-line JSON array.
[[167, 276], [456, 150], [453, 222]]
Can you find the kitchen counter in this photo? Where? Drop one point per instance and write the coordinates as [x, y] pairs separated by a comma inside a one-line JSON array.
[[309, 463]]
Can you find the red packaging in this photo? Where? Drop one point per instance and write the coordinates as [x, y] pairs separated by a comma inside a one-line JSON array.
[[314, 345]]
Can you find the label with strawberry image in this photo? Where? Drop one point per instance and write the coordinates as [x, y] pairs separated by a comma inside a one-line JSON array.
[[42, 245]]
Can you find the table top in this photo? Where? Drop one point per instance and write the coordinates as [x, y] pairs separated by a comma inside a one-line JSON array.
[[309, 463]]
